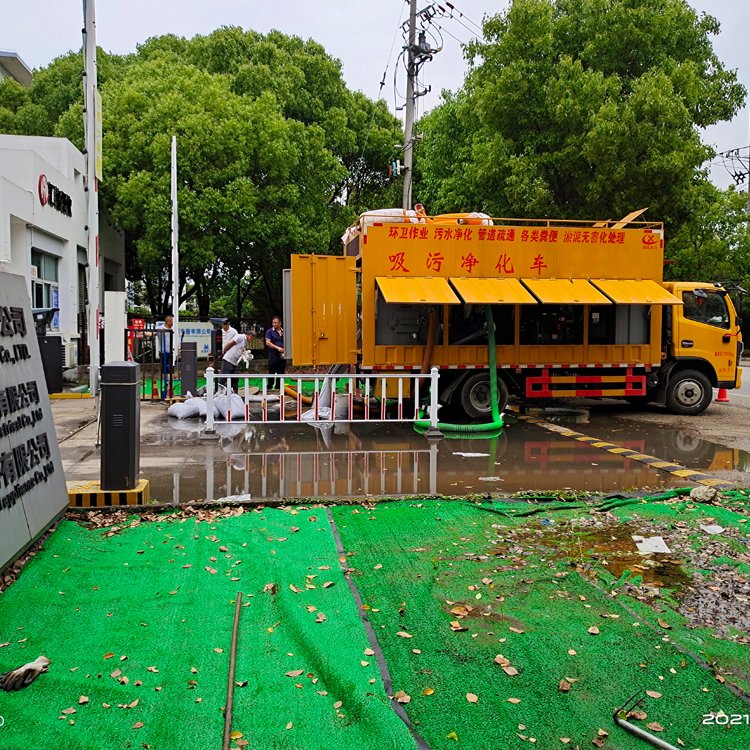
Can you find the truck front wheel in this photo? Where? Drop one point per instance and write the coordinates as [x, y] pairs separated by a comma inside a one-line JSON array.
[[476, 400], [689, 392]]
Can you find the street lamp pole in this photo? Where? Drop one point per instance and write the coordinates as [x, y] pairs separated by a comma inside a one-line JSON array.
[[92, 190]]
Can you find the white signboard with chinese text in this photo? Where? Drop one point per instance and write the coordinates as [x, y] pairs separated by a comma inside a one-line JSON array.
[[32, 484]]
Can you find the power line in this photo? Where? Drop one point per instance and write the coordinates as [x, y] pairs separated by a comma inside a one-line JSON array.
[[454, 9]]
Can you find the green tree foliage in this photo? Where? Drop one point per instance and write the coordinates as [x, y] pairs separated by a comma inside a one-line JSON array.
[[715, 244], [275, 155], [580, 109]]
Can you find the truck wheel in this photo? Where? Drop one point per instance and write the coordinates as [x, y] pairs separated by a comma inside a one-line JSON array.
[[476, 401], [689, 392]]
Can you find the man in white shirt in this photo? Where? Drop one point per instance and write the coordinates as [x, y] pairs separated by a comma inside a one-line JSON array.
[[227, 332], [231, 354]]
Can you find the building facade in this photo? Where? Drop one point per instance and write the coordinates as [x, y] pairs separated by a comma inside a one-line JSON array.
[[43, 234]]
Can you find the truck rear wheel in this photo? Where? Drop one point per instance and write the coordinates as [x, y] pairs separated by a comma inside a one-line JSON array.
[[476, 400], [689, 392]]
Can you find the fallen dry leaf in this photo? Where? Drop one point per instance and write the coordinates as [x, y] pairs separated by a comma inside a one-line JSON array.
[[369, 652], [402, 697], [428, 691], [290, 725], [404, 634], [510, 671], [219, 650], [664, 624], [563, 686], [514, 700], [516, 630], [68, 711], [338, 704], [108, 655], [152, 669], [653, 694], [321, 617], [501, 660], [137, 725], [328, 584], [572, 652], [456, 627], [594, 630], [655, 726], [565, 740], [472, 698], [83, 700], [235, 735], [294, 673]]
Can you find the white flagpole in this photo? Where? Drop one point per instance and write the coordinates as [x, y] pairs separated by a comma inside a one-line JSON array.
[[175, 258], [92, 192]]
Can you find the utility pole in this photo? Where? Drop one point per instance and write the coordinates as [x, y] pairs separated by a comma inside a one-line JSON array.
[[92, 190], [411, 75]]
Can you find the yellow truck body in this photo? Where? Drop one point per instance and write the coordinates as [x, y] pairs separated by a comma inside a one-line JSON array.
[[580, 309]]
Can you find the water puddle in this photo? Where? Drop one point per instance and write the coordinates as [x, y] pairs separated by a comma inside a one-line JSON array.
[[610, 548], [296, 461], [684, 447], [614, 549]]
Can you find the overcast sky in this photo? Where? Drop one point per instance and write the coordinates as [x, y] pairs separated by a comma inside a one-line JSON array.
[[360, 33]]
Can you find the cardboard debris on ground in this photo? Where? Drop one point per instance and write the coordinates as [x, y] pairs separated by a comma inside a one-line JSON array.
[[651, 544]]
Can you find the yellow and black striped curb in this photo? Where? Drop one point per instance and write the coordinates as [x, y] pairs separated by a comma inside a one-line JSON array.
[[89, 494], [657, 463]]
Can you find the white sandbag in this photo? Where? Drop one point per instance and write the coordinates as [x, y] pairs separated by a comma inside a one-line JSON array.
[[486, 220], [183, 409], [233, 404], [389, 216], [202, 406], [324, 414]]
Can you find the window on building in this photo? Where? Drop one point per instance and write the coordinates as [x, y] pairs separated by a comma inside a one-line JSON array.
[[44, 283]]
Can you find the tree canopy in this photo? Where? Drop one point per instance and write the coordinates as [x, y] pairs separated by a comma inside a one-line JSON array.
[[582, 109], [275, 155]]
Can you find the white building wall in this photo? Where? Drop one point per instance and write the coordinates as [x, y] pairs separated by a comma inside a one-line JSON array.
[[27, 224]]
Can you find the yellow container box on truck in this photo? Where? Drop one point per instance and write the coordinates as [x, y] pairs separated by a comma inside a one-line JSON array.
[[580, 310]]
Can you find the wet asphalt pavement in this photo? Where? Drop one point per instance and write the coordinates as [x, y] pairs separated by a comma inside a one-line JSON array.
[[291, 461]]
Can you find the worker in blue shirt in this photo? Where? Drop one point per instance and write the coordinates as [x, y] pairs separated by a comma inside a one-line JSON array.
[[275, 344]]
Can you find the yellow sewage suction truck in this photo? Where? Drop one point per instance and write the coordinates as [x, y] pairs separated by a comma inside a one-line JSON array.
[[580, 309]]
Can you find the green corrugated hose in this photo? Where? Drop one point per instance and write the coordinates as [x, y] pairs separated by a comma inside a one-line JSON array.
[[497, 418]]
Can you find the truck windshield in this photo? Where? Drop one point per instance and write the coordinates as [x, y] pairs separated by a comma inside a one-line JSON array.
[[709, 308]]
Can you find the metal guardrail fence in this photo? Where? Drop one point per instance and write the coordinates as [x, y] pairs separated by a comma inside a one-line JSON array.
[[300, 475], [364, 398]]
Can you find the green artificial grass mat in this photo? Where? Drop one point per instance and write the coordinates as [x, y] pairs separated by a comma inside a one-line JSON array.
[[415, 562], [162, 594], [448, 586]]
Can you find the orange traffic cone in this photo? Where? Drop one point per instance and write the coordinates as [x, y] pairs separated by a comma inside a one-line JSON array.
[[722, 397]]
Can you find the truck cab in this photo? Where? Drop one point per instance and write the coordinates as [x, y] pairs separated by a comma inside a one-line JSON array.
[[702, 347]]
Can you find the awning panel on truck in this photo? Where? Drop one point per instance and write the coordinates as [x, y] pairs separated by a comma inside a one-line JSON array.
[[565, 292], [492, 291], [433, 290], [642, 292]]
